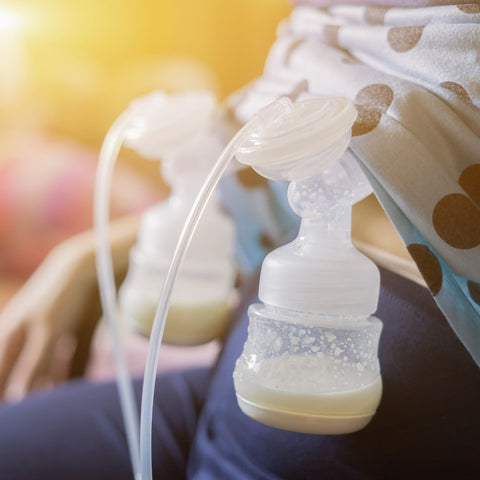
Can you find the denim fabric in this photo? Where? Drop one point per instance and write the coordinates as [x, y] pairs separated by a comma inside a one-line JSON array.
[[76, 432], [427, 425]]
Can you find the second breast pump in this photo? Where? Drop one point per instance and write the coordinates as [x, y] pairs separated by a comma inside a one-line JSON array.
[[177, 130]]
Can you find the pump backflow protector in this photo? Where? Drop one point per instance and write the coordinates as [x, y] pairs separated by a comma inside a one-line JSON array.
[[310, 361]]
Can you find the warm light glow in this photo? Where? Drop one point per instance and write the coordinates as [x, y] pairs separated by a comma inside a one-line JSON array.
[[9, 19], [73, 66]]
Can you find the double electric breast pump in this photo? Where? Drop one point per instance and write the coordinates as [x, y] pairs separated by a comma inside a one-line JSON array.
[[310, 361]]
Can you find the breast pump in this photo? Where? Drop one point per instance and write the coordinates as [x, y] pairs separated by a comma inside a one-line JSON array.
[[310, 361], [177, 129]]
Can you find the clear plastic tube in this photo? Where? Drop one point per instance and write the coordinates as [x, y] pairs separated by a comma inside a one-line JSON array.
[[162, 309], [106, 280]]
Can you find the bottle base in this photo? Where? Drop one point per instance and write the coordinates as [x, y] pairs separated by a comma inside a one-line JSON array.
[[304, 422]]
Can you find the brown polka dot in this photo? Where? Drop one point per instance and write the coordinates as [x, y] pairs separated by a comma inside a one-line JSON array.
[[474, 291], [370, 103], [456, 220], [457, 90], [402, 39], [331, 34], [378, 95], [250, 179], [470, 181], [375, 15], [291, 49], [470, 8], [428, 265], [367, 120], [266, 241]]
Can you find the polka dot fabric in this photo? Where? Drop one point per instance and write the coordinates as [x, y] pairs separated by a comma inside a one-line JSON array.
[[413, 75]]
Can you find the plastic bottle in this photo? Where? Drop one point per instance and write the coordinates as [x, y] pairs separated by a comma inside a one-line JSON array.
[[310, 361], [177, 129]]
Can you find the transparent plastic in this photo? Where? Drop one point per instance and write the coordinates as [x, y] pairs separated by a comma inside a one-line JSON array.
[[178, 130], [309, 373], [201, 301], [301, 139], [321, 271], [310, 360], [106, 282], [200, 307]]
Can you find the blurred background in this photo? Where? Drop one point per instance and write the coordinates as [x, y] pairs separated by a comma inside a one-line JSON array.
[[68, 68]]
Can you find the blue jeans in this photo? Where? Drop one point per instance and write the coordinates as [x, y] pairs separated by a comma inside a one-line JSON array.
[[427, 425]]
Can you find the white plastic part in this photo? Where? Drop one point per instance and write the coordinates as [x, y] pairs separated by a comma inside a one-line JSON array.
[[321, 271], [310, 361], [160, 122], [300, 138], [178, 130]]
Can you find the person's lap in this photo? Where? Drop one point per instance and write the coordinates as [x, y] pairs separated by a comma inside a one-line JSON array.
[[427, 426], [76, 432]]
